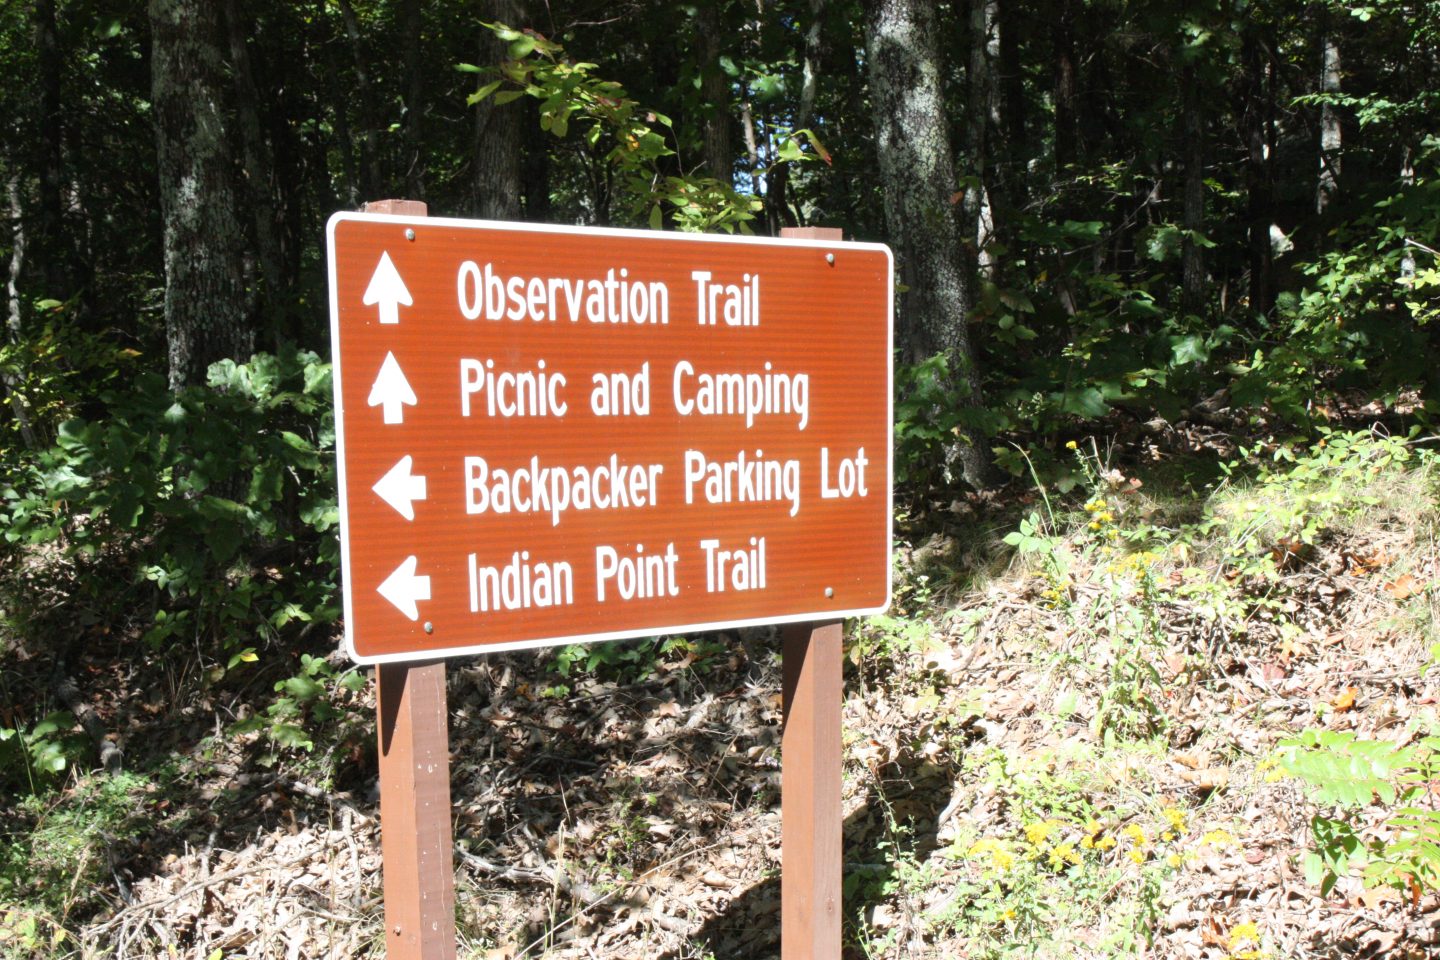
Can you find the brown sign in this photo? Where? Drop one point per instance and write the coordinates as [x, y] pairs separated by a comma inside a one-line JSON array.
[[548, 434]]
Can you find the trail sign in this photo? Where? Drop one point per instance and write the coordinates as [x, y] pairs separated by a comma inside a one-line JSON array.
[[550, 434]]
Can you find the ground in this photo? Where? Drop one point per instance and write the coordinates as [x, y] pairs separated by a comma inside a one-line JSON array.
[[1065, 740]]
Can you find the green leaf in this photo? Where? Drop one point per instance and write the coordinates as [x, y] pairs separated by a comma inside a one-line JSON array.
[[302, 688], [484, 92], [289, 735]]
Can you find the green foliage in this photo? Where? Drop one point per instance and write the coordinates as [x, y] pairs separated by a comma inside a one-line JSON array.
[[1347, 775], [630, 661], [1057, 859], [632, 139], [1361, 316], [35, 758], [200, 496], [53, 851], [306, 703]]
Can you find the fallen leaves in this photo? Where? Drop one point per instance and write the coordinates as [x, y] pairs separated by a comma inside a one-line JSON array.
[[1345, 699], [1404, 587]]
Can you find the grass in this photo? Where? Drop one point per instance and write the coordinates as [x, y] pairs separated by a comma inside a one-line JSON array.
[[1056, 757], [1136, 607]]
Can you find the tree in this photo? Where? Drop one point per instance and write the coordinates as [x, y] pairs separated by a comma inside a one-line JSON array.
[[499, 127], [207, 298], [918, 180]]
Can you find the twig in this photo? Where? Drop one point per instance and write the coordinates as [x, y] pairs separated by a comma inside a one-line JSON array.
[[198, 885], [598, 901]]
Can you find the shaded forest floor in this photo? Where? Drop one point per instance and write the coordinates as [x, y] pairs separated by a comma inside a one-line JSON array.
[[1064, 749]]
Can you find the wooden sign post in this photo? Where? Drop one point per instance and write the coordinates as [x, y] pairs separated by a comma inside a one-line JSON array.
[[811, 848], [412, 724], [551, 435]]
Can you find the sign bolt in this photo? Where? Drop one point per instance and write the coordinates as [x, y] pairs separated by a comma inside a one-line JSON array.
[[429, 627], [829, 591], [830, 259], [409, 234]]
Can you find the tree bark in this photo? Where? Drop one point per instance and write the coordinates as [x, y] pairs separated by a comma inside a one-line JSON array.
[[48, 248], [204, 243], [414, 100], [981, 114], [1328, 184], [1192, 259], [1065, 86], [1012, 98], [369, 178], [918, 178], [14, 322], [779, 212], [499, 130], [266, 297], [717, 148], [1257, 171]]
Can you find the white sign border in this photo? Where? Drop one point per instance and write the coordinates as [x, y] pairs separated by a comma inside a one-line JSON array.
[[346, 583]]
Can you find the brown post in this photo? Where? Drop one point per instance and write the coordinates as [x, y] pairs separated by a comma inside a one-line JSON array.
[[811, 855], [810, 813], [418, 862]]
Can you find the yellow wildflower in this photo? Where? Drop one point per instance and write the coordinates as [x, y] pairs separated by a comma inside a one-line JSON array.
[[1038, 833], [1105, 843], [1218, 838], [1063, 854], [1174, 860], [1167, 836], [1071, 445], [1135, 834], [1001, 858], [1244, 934], [1136, 855], [1176, 818]]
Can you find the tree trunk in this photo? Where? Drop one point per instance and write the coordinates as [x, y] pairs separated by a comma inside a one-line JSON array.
[[918, 178], [981, 114], [204, 243], [1192, 259], [268, 300], [1065, 86], [779, 213], [717, 151], [535, 171], [1257, 171], [370, 178], [48, 249], [1012, 101], [499, 130], [1330, 136], [414, 101], [13, 320]]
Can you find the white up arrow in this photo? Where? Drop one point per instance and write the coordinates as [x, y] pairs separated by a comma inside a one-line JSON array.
[[400, 488], [403, 588], [391, 390], [388, 290]]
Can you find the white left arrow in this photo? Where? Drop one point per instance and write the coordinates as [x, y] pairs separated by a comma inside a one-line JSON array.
[[388, 290], [391, 391], [400, 488], [403, 588]]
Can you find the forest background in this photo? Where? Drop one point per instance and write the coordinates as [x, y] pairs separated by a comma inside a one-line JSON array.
[[1200, 232]]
